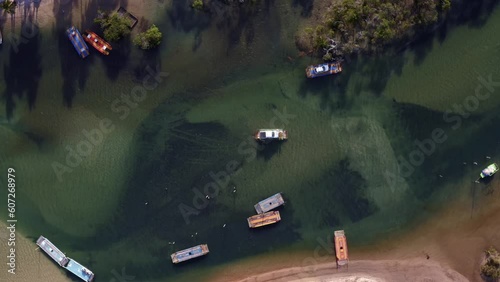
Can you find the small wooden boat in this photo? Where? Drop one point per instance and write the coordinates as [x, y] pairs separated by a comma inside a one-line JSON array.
[[270, 203], [263, 219], [489, 171], [97, 42], [271, 134], [341, 248], [191, 253], [323, 69]]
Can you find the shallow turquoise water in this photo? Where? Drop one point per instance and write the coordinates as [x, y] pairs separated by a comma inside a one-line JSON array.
[[142, 187]]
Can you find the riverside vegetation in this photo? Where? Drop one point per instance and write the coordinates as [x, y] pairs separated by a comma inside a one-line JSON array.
[[351, 26], [149, 39], [491, 266], [114, 25]]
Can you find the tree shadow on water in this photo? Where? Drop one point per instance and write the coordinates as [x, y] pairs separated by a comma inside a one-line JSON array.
[[23, 73], [306, 5]]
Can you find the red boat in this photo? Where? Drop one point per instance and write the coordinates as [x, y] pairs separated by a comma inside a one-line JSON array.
[[97, 42]]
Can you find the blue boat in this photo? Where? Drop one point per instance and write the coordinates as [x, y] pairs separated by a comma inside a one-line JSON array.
[[79, 270], [190, 253], [323, 69], [76, 38]]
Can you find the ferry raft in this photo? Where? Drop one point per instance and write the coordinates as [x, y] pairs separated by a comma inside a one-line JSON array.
[[263, 219], [270, 203], [190, 253], [64, 261], [97, 42], [76, 38], [271, 134], [341, 248], [323, 69]]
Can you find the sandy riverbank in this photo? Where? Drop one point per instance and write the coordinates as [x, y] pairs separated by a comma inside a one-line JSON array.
[[365, 271], [454, 239]]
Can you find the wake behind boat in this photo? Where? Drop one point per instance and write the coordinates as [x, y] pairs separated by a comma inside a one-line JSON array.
[[97, 42], [323, 69]]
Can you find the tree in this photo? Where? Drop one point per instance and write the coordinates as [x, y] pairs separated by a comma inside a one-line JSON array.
[[491, 267], [149, 39], [115, 26], [9, 6], [197, 4]]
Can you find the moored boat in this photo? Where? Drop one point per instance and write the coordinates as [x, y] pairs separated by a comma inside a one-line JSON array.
[[77, 40], [341, 248], [187, 254], [263, 219], [1, 37], [79, 270], [489, 171], [68, 263], [323, 69], [97, 42], [271, 134], [270, 203]]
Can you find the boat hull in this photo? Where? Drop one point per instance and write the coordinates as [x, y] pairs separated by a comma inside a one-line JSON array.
[[330, 68], [266, 135], [77, 40], [190, 253], [97, 42], [270, 203], [264, 219], [341, 251]]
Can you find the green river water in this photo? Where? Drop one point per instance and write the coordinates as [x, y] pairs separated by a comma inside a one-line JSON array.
[[140, 186]]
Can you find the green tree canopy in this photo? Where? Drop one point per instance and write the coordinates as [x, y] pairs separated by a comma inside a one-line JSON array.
[[149, 39], [115, 26], [9, 6]]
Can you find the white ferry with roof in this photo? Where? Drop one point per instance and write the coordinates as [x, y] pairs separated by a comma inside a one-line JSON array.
[[271, 134], [70, 264], [191, 253]]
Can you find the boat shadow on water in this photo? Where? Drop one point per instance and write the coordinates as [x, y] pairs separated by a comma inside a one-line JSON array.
[[269, 149]]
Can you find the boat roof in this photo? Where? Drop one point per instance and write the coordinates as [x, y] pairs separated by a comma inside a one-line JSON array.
[[270, 203], [270, 133], [79, 270], [78, 42], [189, 253], [49, 248]]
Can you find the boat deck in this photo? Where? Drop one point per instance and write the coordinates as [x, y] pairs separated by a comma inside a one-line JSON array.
[[341, 248], [270, 203], [190, 253], [264, 219], [133, 20], [52, 251], [79, 270], [77, 40]]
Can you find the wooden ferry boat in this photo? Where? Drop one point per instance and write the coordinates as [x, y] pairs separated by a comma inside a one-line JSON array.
[[271, 134], [97, 42], [191, 253], [323, 69], [270, 203], [341, 248], [77, 40], [263, 219]]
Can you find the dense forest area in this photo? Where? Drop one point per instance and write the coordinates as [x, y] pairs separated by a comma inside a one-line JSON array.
[[366, 25]]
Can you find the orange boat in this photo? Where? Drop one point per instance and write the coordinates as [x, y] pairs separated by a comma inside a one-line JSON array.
[[341, 248], [263, 219], [96, 41]]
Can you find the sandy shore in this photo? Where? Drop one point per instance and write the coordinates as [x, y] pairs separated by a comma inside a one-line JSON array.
[[454, 239], [364, 271]]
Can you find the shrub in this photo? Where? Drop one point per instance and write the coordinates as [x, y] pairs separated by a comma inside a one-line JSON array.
[[197, 4], [149, 39], [115, 26]]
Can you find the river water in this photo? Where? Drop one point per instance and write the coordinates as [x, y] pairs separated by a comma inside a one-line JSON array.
[[119, 185]]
